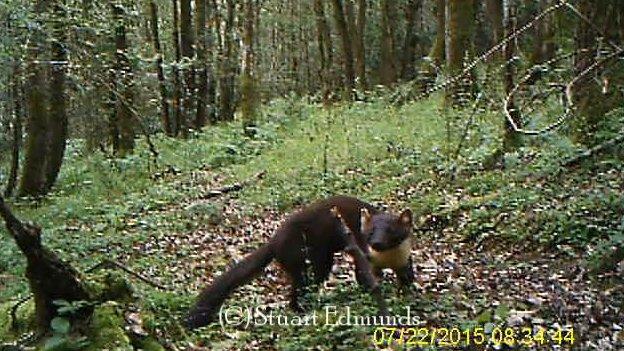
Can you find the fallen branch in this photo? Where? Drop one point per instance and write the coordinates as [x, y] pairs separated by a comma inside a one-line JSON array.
[[108, 264], [233, 187], [574, 161]]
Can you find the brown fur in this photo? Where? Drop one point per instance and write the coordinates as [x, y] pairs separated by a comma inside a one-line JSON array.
[[313, 231]]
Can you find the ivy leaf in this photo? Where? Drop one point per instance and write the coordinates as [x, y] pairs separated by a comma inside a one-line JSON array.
[[55, 343], [60, 325]]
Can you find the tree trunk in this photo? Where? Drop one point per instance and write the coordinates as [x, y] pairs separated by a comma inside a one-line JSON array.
[[201, 19], [433, 65], [512, 139], [164, 97], [49, 277], [212, 48], [388, 66], [33, 181], [123, 101], [494, 12], [549, 47], [226, 83], [347, 51], [593, 101], [187, 49], [178, 117], [306, 39], [325, 49], [544, 46], [357, 27], [293, 53], [258, 50], [360, 56], [58, 100], [459, 22], [408, 57], [113, 124], [16, 129], [438, 50], [248, 85], [537, 55]]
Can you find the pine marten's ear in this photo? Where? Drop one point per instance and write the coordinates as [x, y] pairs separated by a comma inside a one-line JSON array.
[[365, 214], [406, 218], [335, 212], [365, 219]]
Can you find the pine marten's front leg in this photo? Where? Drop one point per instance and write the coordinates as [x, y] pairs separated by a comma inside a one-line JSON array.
[[405, 275], [363, 267]]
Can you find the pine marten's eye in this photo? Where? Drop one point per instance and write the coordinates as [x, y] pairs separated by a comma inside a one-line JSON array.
[[369, 234]]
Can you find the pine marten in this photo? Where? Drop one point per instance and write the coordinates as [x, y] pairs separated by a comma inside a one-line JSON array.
[[315, 233]]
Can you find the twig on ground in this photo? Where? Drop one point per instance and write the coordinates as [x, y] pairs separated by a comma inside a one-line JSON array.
[[113, 264], [232, 187], [595, 150]]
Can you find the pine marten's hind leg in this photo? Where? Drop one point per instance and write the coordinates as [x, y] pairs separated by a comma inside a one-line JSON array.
[[296, 274], [293, 263], [322, 263]]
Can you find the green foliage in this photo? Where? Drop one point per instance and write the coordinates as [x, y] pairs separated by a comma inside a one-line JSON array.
[[106, 330], [62, 339], [108, 208], [68, 309]]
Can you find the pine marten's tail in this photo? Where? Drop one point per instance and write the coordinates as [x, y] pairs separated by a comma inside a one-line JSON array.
[[212, 297]]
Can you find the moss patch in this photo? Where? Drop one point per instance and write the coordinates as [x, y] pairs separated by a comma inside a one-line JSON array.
[[106, 331]]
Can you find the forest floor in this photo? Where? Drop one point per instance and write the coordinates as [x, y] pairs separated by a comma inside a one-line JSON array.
[[494, 246]]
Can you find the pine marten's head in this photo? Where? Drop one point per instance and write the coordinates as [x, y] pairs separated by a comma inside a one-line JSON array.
[[384, 231]]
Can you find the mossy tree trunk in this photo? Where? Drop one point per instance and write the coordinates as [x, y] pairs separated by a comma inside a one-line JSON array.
[[511, 139], [201, 21], [49, 277], [162, 83], [543, 43], [436, 55], [212, 48], [357, 27], [226, 82], [494, 13], [58, 122], [460, 27], [410, 44], [388, 66], [593, 98], [347, 48], [16, 129], [187, 43], [178, 118], [360, 52], [248, 84], [325, 49], [123, 121], [33, 181]]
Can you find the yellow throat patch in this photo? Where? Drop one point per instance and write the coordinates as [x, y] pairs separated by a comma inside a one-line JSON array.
[[394, 258]]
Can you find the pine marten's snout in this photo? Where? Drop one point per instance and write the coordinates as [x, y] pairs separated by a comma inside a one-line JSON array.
[[377, 245]]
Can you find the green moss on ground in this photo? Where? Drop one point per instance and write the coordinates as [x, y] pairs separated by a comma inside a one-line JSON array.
[[106, 331]]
